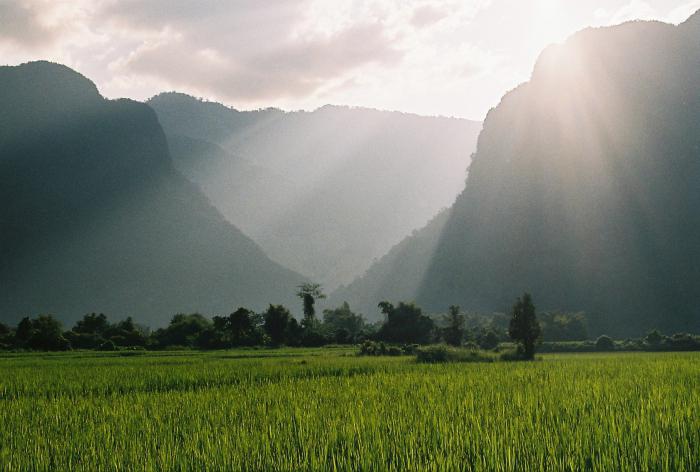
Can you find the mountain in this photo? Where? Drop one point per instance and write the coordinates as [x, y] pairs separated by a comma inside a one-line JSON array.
[[323, 192], [95, 217], [584, 190]]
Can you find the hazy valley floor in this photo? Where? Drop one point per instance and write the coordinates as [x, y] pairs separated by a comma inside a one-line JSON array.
[[327, 409]]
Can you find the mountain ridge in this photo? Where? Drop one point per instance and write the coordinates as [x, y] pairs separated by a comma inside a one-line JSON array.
[[95, 217], [354, 180], [583, 190]]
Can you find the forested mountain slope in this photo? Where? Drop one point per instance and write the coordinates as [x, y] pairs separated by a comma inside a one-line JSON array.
[[323, 192], [584, 190], [94, 216]]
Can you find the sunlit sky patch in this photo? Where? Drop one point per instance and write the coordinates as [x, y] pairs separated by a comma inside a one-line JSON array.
[[433, 57]]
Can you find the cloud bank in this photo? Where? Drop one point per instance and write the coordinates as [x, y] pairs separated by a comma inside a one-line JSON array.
[[452, 57]]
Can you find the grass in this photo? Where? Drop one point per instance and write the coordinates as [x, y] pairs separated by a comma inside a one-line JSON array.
[[321, 409]]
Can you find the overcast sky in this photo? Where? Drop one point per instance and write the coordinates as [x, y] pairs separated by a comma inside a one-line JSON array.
[[434, 57]]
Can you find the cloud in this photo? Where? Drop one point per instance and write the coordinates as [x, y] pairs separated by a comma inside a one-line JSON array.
[[427, 15], [22, 24], [634, 10], [292, 68], [683, 12], [643, 10]]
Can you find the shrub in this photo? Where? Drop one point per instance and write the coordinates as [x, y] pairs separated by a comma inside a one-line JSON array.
[[472, 346], [489, 340], [511, 355], [410, 349], [108, 346], [568, 346], [442, 353], [654, 338], [605, 343], [394, 351], [374, 348]]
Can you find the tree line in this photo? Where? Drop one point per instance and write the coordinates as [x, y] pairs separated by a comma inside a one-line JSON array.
[[403, 324]]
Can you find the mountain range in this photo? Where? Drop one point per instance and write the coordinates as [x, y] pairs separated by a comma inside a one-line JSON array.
[[95, 217], [324, 192], [584, 190]]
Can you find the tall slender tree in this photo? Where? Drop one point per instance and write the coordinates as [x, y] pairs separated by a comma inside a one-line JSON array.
[[524, 328], [453, 333], [309, 293]]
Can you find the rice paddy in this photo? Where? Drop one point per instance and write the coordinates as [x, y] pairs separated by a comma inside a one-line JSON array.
[[327, 409]]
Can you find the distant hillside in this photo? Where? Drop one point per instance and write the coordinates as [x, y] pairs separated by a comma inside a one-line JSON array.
[[94, 216], [323, 192], [585, 190]]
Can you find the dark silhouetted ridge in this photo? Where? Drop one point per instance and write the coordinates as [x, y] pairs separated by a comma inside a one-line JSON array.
[[584, 190], [95, 218]]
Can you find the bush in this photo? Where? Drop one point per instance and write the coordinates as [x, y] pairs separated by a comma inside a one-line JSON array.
[[489, 340], [511, 355], [568, 346], [605, 343], [654, 338], [394, 351], [108, 346], [442, 353], [374, 348]]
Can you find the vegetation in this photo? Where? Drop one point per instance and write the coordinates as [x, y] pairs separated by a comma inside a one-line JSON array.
[[327, 409], [524, 328], [403, 331], [587, 199], [445, 353], [405, 323], [352, 162]]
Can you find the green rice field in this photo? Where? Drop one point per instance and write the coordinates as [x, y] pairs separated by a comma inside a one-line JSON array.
[[328, 409]]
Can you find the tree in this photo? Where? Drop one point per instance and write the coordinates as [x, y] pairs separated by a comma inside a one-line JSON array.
[[242, 328], [5, 336], [92, 324], [453, 333], [276, 325], [654, 338], [127, 333], [342, 324], [309, 293], [89, 332], [405, 324], [489, 340], [563, 326], [524, 328], [604, 343], [46, 334], [23, 332], [183, 330]]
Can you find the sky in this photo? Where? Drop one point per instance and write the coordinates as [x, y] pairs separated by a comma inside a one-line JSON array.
[[431, 57]]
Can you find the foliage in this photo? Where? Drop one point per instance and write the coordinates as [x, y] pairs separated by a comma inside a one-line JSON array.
[[558, 326], [654, 338], [453, 333], [444, 353], [604, 343], [405, 324], [43, 333], [184, 330], [375, 348], [280, 326], [309, 293], [489, 340], [342, 325], [524, 328]]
